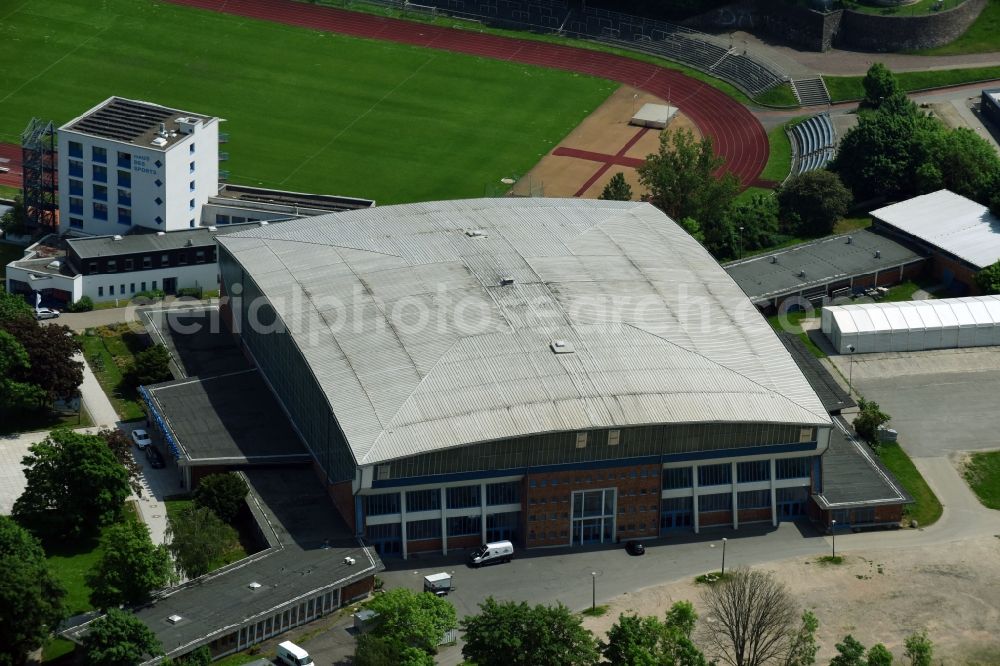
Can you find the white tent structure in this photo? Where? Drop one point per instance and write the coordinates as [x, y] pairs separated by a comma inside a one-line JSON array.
[[913, 325]]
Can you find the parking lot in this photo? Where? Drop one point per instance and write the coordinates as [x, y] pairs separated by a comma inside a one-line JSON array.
[[940, 401]]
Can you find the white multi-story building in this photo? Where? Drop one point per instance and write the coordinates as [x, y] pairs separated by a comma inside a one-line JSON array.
[[127, 164]]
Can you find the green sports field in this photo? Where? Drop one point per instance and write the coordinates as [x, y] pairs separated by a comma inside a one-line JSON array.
[[305, 110]]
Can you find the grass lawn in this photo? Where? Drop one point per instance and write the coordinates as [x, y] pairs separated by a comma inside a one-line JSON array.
[[109, 355], [236, 552], [848, 88], [70, 561], [778, 96], [306, 110], [7, 192], [983, 474], [792, 323], [927, 508], [919, 8], [849, 224], [32, 421], [779, 159], [982, 36], [57, 648]]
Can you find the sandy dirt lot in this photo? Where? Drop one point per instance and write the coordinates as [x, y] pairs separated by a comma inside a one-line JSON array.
[[878, 596], [606, 131]]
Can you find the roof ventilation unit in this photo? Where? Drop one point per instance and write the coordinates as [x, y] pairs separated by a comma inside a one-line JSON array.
[[159, 142], [561, 347], [163, 129], [116, 237], [212, 228], [189, 243], [54, 264], [254, 585], [774, 260], [878, 254], [475, 233], [802, 274], [850, 240], [506, 281], [263, 223], [161, 233], [174, 619]]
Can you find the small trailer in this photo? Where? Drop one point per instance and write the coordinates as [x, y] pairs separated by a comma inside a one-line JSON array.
[[439, 584]]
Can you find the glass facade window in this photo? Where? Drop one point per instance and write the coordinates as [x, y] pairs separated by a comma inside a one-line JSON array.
[[76, 187], [715, 475], [793, 468], [100, 211], [75, 149], [423, 500], [99, 155], [76, 168], [380, 505], [720, 502], [423, 529], [464, 526], [754, 499], [593, 516], [76, 206], [124, 197], [75, 223], [501, 526], [679, 477], [124, 160], [124, 216], [100, 174], [503, 493], [124, 179], [755, 470], [463, 497], [100, 192], [147, 262]]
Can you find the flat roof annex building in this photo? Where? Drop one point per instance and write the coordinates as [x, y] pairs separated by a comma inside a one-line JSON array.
[[556, 372]]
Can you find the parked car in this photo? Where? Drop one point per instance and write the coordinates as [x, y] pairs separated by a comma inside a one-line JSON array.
[[635, 548], [154, 457], [141, 438], [46, 313]]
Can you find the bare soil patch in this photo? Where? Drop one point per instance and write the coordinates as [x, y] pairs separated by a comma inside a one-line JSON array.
[[948, 589], [605, 131]]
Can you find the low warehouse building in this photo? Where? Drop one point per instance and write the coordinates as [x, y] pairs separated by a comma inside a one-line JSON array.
[[973, 321], [960, 236]]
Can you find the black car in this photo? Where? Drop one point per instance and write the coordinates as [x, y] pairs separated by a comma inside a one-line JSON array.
[[154, 457], [635, 548]]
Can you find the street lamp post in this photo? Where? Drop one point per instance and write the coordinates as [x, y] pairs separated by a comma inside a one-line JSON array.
[[593, 596], [724, 556], [833, 534], [850, 370], [741, 242]]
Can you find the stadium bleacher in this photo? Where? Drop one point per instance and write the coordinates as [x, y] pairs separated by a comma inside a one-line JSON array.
[[813, 143]]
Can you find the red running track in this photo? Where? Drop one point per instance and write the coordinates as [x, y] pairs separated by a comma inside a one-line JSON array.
[[738, 137], [10, 159]]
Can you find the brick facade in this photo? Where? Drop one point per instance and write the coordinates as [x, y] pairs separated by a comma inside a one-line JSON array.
[[356, 590], [712, 518], [755, 515], [548, 496]]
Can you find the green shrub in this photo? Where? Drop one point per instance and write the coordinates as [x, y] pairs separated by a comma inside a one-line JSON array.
[[193, 292], [152, 294], [85, 304]]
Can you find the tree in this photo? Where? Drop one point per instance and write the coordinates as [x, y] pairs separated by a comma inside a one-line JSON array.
[[12, 306], [130, 566], [995, 200], [879, 83], [681, 180], [869, 418], [753, 618], [30, 596], [849, 653], [413, 619], [121, 446], [200, 657], [119, 639], [803, 647], [74, 484], [224, 494], [617, 189], [988, 279], [812, 202], [966, 163], [919, 649], [15, 220], [517, 634], [198, 538], [151, 366], [16, 395], [645, 641], [51, 350], [879, 655], [754, 220], [379, 651]]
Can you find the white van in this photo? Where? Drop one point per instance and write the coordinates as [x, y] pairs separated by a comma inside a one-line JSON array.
[[292, 655], [496, 551]]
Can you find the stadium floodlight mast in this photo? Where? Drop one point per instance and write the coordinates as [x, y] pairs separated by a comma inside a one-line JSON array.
[[850, 371], [833, 535]]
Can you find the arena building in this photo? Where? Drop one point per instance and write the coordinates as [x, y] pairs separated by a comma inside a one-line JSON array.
[[555, 372]]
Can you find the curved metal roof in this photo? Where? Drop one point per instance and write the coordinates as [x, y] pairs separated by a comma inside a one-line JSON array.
[[965, 312], [432, 325]]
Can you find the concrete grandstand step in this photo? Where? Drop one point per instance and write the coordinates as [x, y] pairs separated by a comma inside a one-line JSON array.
[[811, 91]]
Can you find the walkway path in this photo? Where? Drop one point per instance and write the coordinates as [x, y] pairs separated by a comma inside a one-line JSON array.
[[738, 137]]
